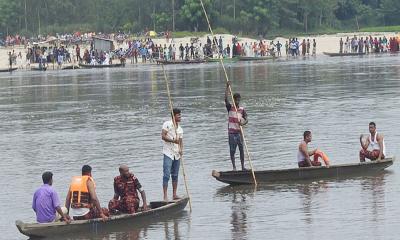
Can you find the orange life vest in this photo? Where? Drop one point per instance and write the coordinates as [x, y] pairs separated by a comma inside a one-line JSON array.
[[80, 197], [321, 154]]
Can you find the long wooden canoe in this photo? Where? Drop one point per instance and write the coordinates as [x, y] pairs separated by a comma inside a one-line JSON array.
[[343, 54], [298, 174], [70, 67], [8, 70], [225, 60], [242, 58], [101, 66], [39, 69], [158, 209], [180, 61]]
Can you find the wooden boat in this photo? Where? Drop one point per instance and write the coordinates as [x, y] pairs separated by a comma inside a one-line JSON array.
[[39, 69], [343, 54], [101, 66], [158, 209], [242, 58], [225, 60], [298, 174], [71, 67], [181, 61], [8, 70]]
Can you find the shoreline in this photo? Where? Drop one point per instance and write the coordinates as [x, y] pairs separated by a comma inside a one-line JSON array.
[[325, 43]]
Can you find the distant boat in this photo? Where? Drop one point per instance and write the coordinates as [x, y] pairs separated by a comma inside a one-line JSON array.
[[181, 61], [39, 69], [57, 229], [343, 54], [70, 67], [243, 58], [299, 174], [101, 66], [225, 60], [8, 70]]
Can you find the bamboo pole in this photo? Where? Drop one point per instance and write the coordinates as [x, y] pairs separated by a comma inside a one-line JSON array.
[[176, 127], [233, 101]]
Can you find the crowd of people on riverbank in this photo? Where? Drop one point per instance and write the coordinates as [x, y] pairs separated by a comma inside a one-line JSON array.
[[59, 55], [369, 44], [148, 51], [294, 46], [65, 39], [78, 48]]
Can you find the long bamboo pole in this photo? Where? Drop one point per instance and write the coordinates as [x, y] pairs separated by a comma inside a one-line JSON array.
[[176, 127], [233, 101]]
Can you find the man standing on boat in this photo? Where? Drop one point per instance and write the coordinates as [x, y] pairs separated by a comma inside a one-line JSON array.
[[46, 203], [237, 117], [374, 147], [126, 187], [172, 136], [303, 154], [82, 202]]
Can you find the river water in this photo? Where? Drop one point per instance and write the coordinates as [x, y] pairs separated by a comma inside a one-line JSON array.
[[59, 121]]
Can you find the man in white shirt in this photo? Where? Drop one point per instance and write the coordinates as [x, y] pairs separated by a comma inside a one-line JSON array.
[[373, 147], [172, 135]]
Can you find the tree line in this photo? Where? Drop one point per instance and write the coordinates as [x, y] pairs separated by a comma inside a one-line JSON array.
[[260, 17]]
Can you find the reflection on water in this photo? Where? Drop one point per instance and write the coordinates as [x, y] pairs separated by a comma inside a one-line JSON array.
[[168, 224], [59, 121], [240, 207], [307, 193], [172, 232], [375, 186]]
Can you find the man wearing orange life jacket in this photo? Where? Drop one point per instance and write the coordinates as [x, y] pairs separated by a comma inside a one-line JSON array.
[[82, 201], [237, 118]]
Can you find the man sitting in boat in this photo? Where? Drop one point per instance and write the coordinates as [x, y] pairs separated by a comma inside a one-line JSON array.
[[374, 147], [303, 154], [126, 187], [46, 202], [82, 201]]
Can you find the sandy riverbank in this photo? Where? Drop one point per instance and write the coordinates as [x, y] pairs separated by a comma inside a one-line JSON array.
[[325, 43]]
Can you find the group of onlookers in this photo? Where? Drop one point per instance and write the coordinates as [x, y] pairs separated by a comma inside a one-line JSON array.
[[147, 50], [40, 55], [294, 47], [369, 44], [64, 38]]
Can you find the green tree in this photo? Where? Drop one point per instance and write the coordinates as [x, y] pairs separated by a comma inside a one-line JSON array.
[[192, 11], [390, 10]]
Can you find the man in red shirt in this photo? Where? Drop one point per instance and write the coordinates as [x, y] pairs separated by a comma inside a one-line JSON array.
[[126, 187]]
